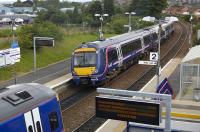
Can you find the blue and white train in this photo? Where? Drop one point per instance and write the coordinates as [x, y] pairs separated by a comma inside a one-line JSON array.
[[29, 108], [96, 62]]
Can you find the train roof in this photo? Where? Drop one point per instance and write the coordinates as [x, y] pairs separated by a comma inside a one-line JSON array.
[[126, 37], [120, 38], [21, 98]]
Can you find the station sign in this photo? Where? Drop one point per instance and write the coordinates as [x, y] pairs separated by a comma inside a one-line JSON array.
[[128, 110], [153, 56], [148, 62]]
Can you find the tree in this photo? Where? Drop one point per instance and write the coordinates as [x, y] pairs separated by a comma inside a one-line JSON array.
[[117, 24], [64, 4], [95, 8], [58, 17], [133, 5], [75, 16], [27, 3], [52, 14], [18, 3], [109, 7], [44, 29], [52, 4], [35, 5], [158, 6], [148, 7], [144, 8]]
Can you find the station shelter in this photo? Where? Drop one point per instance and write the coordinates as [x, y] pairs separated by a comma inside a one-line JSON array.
[[190, 75]]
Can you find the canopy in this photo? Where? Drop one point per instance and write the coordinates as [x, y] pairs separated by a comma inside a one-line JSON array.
[[193, 56], [19, 20], [6, 20]]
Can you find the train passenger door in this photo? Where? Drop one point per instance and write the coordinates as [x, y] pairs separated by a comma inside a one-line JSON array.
[[142, 44], [33, 121], [119, 54]]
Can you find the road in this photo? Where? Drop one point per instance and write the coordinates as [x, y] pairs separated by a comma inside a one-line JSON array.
[[42, 75]]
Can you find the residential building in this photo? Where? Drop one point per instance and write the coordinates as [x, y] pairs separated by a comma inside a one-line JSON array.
[[182, 2], [5, 10]]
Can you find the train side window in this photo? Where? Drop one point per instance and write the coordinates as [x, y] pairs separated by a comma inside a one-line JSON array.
[[127, 48], [167, 28], [53, 119], [154, 36], [30, 129], [162, 33], [136, 44], [147, 39], [38, 126], [112, 56]]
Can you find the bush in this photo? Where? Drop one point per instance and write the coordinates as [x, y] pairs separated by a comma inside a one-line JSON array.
[[48, 29], [25, 36], [44, 29], [185, 18], [117, 23]]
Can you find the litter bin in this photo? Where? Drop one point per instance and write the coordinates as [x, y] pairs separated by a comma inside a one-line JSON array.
[[197, 94]]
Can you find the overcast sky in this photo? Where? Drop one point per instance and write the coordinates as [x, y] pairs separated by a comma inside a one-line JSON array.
[[11, 1]]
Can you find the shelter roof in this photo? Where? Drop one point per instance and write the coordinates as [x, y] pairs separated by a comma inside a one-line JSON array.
[[193, 56]]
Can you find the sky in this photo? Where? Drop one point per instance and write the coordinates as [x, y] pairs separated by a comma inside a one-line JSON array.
[[11, 1]]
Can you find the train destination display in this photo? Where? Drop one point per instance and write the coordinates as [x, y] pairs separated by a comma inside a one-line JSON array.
[[128, 110]]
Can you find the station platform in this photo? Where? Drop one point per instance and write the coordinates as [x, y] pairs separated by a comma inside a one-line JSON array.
[[59, 81], [185, 113]]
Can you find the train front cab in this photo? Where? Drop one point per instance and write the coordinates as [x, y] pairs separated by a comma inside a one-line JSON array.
[[26, 113], [84, 65]]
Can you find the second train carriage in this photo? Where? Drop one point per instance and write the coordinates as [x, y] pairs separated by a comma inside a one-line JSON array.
[[96, 62]]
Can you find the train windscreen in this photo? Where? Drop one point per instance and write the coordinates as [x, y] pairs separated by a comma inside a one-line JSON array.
[[85, 59]]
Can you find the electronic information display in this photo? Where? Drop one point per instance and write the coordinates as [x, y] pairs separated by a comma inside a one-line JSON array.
[[128, 110]]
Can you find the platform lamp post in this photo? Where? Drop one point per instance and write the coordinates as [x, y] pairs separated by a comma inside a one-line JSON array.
[[191, 26], [158, 63], [14, 28], [129, 20], [101, 20]]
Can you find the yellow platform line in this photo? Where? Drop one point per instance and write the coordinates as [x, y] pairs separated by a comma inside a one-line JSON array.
[[183, 115], [120, 127]]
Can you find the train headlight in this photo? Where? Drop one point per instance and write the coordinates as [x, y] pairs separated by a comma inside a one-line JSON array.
[[96, 71], [74, 73]]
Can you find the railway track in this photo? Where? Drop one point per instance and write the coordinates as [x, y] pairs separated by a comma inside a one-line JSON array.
[[78, 108]]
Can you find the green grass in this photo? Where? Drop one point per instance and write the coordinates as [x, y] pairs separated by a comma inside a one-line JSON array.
[[7, 32], [46, 55], [4, 43]]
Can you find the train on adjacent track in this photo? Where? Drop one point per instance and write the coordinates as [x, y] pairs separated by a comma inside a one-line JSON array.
[[29, 107], [94, 63]]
